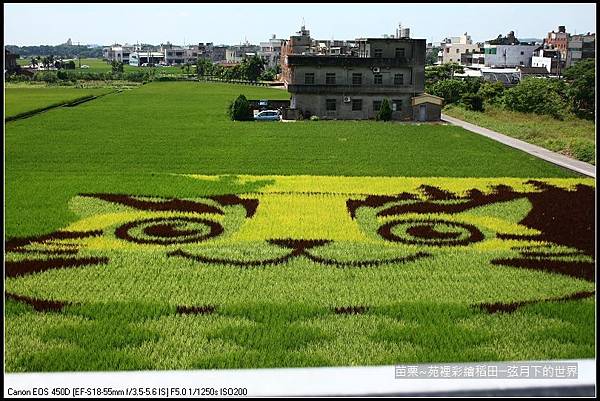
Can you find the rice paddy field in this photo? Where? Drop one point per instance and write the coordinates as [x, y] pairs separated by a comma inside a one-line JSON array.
[[21, 100], [144, 230]]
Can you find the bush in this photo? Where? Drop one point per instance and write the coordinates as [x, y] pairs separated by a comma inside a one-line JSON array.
[[472, 101], [269, 75], [450, 89], [491, 91], [240, 110], [45, 76], [18, 78], [473, 84], [138, 75], [166, 78], [537, 95], [385, 112], [583, 150]]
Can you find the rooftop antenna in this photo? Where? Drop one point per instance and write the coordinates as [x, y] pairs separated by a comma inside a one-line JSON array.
[[303, 24]]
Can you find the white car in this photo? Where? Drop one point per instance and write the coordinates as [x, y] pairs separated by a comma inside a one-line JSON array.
[[268, 115], [85, 66]]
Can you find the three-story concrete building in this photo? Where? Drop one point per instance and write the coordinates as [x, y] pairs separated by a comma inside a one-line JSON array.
[[353, 87]]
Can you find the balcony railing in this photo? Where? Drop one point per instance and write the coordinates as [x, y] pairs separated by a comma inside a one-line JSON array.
[[348, 61], [325, 89]]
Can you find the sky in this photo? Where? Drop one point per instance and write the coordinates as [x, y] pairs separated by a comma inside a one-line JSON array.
[[104, 24]]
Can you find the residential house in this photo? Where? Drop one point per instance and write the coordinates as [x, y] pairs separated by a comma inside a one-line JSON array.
[[271, 51], [139, 58], [10, 62], [580, 47], [235, 54], [508, 52], [454, 48], [118, 52], [177, 55], [354, 86], [558, 40], [549, 58]]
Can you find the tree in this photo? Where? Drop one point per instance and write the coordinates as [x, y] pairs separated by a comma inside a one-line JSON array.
[[34, 62], [441, 72], [204, 67], [581, 91], [385, 111], [117, 66], [269, 74], [240, 110], [491, 91], [431, 56], [187, 66], [450, 89], [252, 67]]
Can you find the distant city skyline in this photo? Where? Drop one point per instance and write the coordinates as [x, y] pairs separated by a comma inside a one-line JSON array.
[[105, 24]]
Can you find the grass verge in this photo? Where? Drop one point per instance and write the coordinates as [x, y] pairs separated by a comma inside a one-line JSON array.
[[573, 137]]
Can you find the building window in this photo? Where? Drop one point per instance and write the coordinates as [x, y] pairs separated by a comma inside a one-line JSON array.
[[400, 52], [377, 79], [330, 78], [521, 63], [522, 53], [376, 105], [396, 105], [357, 78], [309, 78], [356, 104], [398, 79], [331, 104], [457, 50], [378, 53]]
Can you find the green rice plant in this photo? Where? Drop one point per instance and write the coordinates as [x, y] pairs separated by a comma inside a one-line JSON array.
[[277, 278], [169, 237]]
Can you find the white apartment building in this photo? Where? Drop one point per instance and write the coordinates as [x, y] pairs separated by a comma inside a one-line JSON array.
[[139, 59], [508, 55], [271, 51], [454, 48], [508, 51], [118, 53], [550, 59]]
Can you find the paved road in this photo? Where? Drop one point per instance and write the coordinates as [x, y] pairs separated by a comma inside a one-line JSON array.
[[545, 154]]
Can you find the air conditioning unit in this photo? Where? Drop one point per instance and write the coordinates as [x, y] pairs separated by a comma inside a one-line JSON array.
[[347, 99], [376, 69]]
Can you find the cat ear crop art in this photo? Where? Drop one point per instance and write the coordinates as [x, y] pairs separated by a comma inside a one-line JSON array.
[[307, 271]]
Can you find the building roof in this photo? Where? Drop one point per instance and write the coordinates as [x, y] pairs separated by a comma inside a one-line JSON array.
[[388, 39], [533, 70], [427, 98], [152, 54]]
